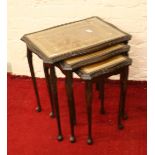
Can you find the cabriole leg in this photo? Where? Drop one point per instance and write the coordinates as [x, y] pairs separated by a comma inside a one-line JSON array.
[[29, 57], [47, 77], [71, 106], [88, 91], [54, 93], [123, 90]]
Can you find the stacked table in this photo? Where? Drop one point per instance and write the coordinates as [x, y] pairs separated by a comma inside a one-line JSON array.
[[88, 47]]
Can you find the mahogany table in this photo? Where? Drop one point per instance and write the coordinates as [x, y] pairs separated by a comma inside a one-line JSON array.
[[99, 71], [61, 42]]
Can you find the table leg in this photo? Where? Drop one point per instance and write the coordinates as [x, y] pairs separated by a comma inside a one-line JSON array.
[[69, 83], [123, 90], [71, 106], [55, 99], [88, 91], [29, 57], [47, 77], [101, 91]]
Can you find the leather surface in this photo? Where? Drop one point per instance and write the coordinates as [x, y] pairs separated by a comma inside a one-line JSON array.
[[103, 65], [67, 40], [77, 59]]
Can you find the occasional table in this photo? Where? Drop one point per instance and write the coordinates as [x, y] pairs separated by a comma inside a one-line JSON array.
[[61, 42]]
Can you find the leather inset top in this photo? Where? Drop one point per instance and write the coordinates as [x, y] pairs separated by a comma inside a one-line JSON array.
[[76, 38], [79, 61], [103, 67]]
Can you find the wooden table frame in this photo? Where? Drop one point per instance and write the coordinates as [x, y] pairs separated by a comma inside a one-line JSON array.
[[123, 89]]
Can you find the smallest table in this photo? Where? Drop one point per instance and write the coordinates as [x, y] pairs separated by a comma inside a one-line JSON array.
[[99, 71]]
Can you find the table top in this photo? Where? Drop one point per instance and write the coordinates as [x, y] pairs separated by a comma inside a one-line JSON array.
[[77, 38], [91, 71]]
